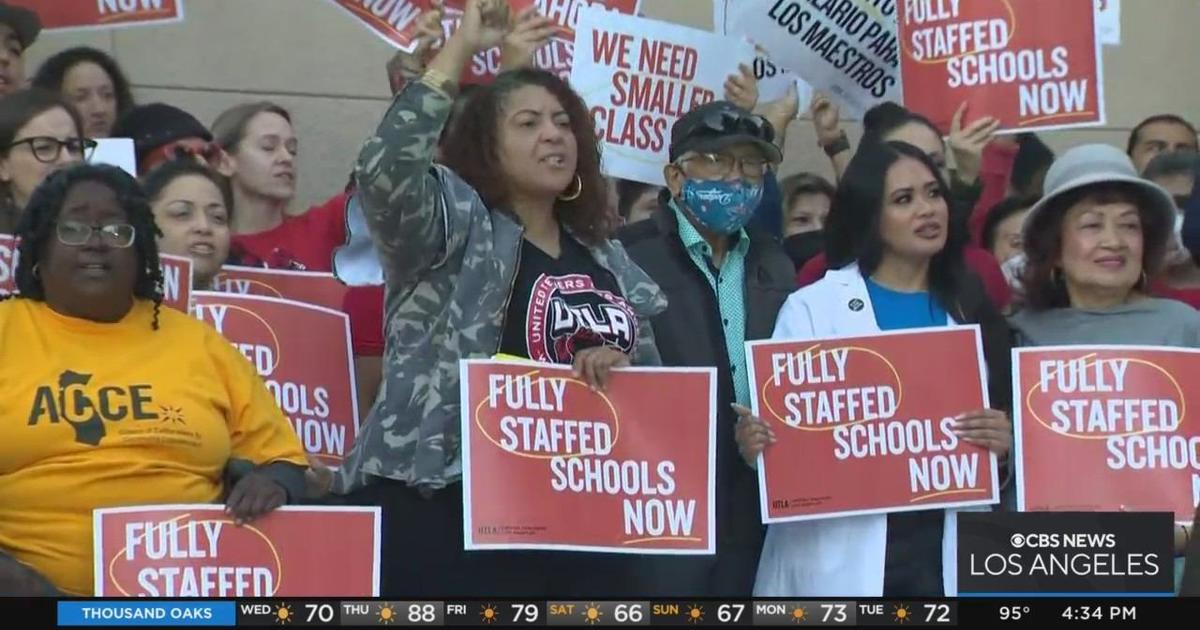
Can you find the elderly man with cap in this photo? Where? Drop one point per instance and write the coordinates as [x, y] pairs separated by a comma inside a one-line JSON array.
[[160, 132], [19, 27], [725, 281]]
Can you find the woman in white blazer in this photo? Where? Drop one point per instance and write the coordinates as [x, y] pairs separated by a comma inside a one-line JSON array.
[[896, 262]]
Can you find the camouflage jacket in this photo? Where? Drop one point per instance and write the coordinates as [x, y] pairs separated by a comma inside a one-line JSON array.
[[449, 265]]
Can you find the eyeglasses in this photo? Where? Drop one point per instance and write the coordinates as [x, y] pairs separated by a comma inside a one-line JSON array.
[[76, 234], [721, 164], [47, 149]]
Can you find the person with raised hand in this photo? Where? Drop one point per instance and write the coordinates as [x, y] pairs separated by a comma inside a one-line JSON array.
[[531, 30], [517, 207]]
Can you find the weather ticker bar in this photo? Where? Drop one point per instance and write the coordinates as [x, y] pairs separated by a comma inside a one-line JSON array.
[[984, 612]]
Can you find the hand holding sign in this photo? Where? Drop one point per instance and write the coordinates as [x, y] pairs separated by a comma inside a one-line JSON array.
[[752, 435], [988, 428], [484, 24], [741, 88], [531, 31], [593, 365], [826, 117], [254, 495], [427, 38]]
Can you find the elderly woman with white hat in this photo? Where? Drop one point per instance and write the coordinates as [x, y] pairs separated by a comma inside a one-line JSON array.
[[1091, 245]]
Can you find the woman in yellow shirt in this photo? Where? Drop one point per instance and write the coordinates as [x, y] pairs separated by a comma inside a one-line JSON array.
[[106, 399]]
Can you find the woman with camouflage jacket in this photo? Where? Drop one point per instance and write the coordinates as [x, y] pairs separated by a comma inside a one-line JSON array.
[[503, 248]]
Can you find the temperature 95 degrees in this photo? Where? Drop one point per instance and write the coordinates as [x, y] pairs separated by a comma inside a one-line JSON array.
[[1014, 613]]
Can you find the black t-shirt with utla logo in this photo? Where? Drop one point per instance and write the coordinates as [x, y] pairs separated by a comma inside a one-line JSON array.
[[562, 305]]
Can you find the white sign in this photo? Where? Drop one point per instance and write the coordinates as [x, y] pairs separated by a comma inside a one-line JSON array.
[[773, 79], [847, 49], [638, 76], [116, 152], [1108, 22]]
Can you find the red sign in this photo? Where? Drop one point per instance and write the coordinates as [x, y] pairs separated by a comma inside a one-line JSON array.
[[865, 424], [9, 255], [303, 353], [395, 21], [550, 464], [177, 281], [1032, 64], [1105, 428], [197, 551], [74, 14], [310, 287]]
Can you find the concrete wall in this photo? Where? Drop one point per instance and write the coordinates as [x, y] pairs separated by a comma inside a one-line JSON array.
[[329, 71]]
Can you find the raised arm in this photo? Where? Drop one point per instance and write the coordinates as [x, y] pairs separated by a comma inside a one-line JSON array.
[[400, 193]]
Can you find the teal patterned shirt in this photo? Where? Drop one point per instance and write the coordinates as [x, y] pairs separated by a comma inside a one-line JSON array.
[[729, 285]]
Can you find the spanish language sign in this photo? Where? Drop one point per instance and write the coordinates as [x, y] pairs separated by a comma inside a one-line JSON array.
[[550, 464], [1105, 428], [638, 76], [846, 48], [303, 354], [198, 551], [1030, 64], [866, 424]]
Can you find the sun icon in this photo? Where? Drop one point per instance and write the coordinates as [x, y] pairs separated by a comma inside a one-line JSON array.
[[799, 615], [488, 613], [283, 613], [902, 614], [695, 614], [387, 614], [592, 614], [172, 414]]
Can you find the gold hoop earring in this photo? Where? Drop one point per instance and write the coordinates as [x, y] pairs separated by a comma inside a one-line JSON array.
[[578, 190]]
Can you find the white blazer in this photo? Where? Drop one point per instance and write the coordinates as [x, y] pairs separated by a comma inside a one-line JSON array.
[[843, 556]]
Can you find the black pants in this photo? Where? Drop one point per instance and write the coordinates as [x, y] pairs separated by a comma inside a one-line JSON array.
[[423, 556]]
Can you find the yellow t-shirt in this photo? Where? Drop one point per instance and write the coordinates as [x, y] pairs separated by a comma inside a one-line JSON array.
[[102, 415]]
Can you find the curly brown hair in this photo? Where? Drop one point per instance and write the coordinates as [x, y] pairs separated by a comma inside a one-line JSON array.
[[471, 150], [1044, 289]]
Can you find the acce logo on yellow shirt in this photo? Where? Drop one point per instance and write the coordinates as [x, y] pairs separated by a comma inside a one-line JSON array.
[[70, 402]]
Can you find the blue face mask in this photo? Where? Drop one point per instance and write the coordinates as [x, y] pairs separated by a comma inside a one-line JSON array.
[[722, 206]]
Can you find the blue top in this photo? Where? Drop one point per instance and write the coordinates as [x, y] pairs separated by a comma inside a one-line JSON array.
[[895, 310], [913, 552]]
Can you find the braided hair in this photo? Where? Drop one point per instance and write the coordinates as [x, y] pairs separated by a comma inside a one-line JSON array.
[[36, 227]]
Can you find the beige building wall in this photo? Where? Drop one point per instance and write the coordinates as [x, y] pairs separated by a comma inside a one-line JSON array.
[[329, 71]]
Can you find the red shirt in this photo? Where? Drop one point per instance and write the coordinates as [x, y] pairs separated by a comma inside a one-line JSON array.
[[977, 259], [1160, 289], [995, 171], [364, 305], [302, 243], [307, 242]]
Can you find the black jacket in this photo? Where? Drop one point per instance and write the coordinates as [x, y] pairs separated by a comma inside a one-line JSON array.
[[690, 333]]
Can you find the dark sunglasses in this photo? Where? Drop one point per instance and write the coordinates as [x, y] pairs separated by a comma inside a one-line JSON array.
[[729, 123]]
